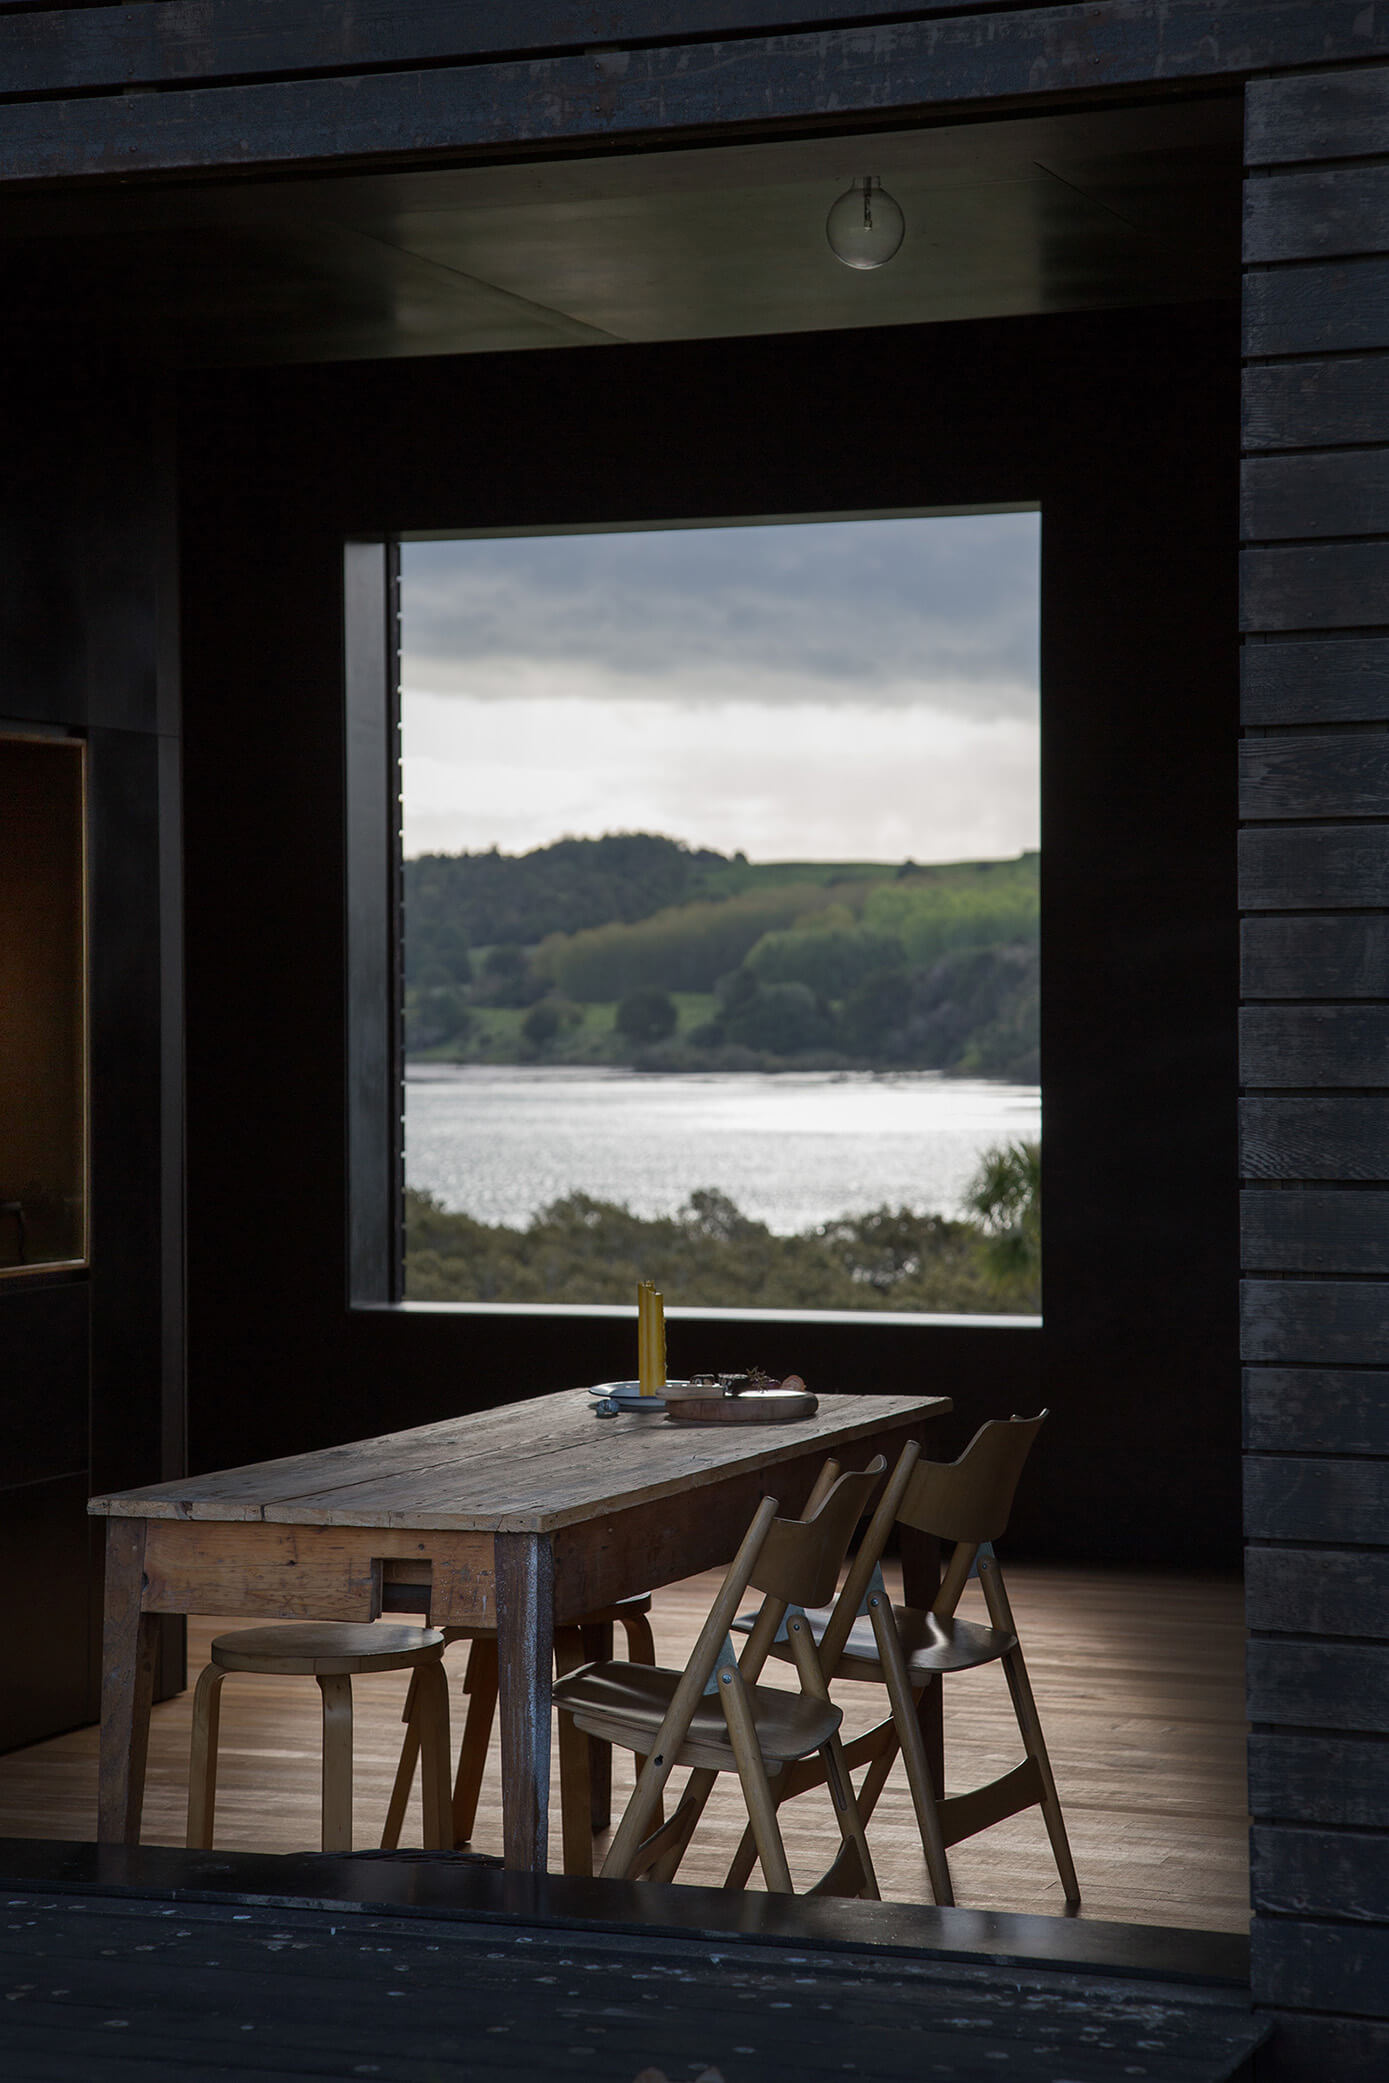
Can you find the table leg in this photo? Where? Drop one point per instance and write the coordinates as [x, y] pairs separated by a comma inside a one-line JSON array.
[[920, 1583], [129, 1645], [598, 1649], [525, 1567]]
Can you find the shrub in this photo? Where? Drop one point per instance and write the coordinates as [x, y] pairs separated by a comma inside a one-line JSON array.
[[646, 1015], [542, 1023]]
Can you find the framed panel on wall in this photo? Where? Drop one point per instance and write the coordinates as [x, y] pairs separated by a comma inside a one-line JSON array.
[[43, 1005]]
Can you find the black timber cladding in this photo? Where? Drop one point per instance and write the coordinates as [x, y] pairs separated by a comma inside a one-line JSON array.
[[182, 85], [1314, 1053]]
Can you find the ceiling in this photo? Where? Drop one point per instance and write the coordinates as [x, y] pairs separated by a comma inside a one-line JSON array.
[[1029, 214]]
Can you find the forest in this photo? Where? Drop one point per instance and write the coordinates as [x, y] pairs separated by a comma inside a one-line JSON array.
[[635, 949]]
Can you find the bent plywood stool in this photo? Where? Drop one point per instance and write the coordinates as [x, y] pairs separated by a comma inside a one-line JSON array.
[[574, 1645], [907, 1650], [334, 1652], [714, 1716]]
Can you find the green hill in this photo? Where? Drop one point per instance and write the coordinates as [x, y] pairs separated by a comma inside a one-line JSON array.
[[635, 947]]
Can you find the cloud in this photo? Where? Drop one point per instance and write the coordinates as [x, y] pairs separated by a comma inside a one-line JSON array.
[[780, 781], [889, 613]]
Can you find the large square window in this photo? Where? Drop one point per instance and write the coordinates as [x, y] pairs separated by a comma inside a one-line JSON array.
[[721, 916]]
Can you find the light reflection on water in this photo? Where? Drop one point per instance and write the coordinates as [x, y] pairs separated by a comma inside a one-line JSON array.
[[793, 1149]]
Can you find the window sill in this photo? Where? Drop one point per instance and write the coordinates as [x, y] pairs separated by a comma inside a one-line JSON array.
[[624, 1312]]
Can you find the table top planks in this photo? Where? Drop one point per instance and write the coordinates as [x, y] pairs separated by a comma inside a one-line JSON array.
[[522, 1468]]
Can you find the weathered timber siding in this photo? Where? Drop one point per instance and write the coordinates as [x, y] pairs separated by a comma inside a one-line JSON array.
[[170, 86], [1314, 1055]]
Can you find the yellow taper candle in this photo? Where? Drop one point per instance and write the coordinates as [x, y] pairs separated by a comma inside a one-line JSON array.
[[644, 1355], [658, 1311]]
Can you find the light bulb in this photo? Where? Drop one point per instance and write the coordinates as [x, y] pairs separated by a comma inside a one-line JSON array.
[[865, 227]]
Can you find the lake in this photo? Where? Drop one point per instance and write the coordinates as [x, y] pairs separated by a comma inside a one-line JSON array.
[[792, 1150]]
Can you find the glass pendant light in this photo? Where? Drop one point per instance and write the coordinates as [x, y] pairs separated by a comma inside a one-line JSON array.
[[866, 226]]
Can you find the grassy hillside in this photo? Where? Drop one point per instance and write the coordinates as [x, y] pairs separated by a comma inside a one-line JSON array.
[[639, 949]]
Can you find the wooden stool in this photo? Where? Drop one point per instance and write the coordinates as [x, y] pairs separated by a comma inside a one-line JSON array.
[[333, 1652], [589, 1640]]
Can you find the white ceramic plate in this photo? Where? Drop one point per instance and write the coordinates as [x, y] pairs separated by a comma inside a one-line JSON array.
[[627, 1395]]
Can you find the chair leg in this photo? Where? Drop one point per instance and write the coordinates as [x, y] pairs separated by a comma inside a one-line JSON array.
[[432, 1720], [752, 1771], [1025, 1708], [877, 1776], [1030, 1726], [641, 1649], [337, 1763], [904, 1713], [404, 1771], [575, 1764], [202, 1758], [641, 1643], [846, 1813], [598, 1648], [634, 1827], [480, 1684]]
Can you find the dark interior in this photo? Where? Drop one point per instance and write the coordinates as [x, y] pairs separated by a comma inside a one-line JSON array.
[[1121, 426]]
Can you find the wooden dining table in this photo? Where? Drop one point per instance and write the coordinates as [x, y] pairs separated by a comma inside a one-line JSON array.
[[520, 1518]]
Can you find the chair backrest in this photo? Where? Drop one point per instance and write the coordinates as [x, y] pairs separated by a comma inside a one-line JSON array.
[[969, 1500], [799, 1560]]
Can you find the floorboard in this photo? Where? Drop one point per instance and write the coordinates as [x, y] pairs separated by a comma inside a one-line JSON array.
[[1139, 1681]]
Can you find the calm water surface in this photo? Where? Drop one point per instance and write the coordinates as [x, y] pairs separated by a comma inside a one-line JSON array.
[[792, 1150]]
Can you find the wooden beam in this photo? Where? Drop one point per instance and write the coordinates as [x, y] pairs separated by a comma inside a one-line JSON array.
[[1340, 1322], [1321, 115], [1326, 1230], [1343, 492], [1306, 1872], [1317, 1497], [1332, 1138], [1323, 775], [1338, 305], [1318, 1591], [1316, 1410], [1321, 1779], [1320, 1685], [1318, 404], [1315, 956], [174, 42], [1324, 680], [836, 79], [1297, 1046], [1343, 209], [1313, 867]]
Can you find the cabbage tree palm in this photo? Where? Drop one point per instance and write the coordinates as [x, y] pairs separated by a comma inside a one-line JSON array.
[[1005, 1197]]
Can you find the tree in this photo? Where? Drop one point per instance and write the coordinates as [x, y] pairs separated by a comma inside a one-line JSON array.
[[781, 1018], [875, 1015], [1006, 1195], [647, 1015], [542, 1023]]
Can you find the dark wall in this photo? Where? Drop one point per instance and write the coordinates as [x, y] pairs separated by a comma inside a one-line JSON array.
[[1123, 427], [1315, 1060], [90, 1365]]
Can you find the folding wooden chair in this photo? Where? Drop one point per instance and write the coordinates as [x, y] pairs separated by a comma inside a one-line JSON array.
[[715, 1717], [573, 1646], [906, 1650]]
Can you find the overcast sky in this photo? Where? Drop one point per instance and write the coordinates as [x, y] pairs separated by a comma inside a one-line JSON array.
[[854, 690]]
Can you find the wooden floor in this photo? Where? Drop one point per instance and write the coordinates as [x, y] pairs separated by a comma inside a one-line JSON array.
[[1139, 1681]]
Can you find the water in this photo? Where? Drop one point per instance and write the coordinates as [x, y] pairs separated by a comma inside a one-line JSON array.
[[791, 1150]]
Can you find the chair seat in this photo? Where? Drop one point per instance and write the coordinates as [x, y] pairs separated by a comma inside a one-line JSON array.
[[328, 1648], [931, 1646], [626, 1704]]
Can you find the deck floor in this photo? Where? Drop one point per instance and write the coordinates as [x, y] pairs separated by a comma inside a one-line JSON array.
[[1139, 1681]]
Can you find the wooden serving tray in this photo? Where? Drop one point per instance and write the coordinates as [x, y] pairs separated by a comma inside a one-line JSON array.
[[753, 1407]]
